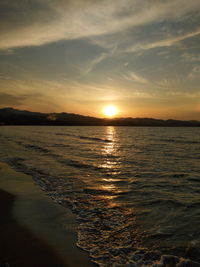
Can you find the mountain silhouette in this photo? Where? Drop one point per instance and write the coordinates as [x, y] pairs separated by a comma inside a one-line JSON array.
[[11, 116]]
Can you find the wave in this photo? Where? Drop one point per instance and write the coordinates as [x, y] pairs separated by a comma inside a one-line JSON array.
[[178, 141], [94, 139], [194, 179], [65, 134], [77, 164], [65, 161], [37, 148], [86, 137], [61, 145], [165, 202]]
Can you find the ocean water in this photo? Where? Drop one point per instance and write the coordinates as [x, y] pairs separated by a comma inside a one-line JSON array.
[[135, 190]]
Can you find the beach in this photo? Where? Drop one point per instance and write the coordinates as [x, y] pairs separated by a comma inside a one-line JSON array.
[[34, 230]]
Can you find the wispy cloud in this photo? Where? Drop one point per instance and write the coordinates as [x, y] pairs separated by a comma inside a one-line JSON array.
[[26, 24], [163, 43], [135, 77], [191, 57], [92, 64], [194, 73], [8, 99], [95, 62]]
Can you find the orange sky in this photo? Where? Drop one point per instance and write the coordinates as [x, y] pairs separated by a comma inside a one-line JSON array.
[[80, 56]]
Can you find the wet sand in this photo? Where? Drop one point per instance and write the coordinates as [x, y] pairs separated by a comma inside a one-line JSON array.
[[35, 231], [18, 246]]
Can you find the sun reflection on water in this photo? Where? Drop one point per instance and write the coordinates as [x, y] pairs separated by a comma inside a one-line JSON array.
[[110, 147], [111, 164]]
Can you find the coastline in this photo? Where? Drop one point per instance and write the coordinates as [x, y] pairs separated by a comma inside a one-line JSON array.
[[34, 230]]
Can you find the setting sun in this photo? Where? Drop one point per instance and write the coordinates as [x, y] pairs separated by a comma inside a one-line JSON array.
[[110, 111]]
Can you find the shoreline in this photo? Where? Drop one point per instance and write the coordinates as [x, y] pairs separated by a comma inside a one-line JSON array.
[[34, 230]]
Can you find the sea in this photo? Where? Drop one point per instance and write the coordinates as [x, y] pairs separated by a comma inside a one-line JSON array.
[[135, 190]]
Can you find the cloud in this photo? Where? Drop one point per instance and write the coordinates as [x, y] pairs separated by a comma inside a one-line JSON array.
[[31, 94], [56, 92], [195, 73], [191, 57], [162, 43], [95, 62], [99, 59], [132, 76], [34, 23], [8, 99]]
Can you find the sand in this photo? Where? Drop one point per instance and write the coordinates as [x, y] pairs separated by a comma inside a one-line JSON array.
[[35, 231]]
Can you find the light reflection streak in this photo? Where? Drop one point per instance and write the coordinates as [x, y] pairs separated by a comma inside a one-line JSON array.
[[109, 150], [112, 165]]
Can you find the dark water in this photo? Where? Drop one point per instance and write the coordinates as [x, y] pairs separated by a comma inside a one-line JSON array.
[[136, 191]]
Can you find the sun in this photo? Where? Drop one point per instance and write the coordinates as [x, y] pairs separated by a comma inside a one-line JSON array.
[[110, 111]]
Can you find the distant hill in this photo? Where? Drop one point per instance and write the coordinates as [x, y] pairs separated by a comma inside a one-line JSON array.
[[10, 116]]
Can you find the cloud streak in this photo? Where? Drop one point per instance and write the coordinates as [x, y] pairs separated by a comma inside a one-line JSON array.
[[8, 99], [163, 43], [195, 73], [135, 77]]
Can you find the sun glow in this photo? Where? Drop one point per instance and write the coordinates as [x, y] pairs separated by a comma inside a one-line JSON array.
[[110, 111]]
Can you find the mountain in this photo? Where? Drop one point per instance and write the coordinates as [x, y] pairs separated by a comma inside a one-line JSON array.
[[10, 116]]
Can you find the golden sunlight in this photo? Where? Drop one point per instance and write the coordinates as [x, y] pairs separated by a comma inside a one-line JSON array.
[[110, 111]]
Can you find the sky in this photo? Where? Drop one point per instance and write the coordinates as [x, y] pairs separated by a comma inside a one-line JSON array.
[[79, 56]]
